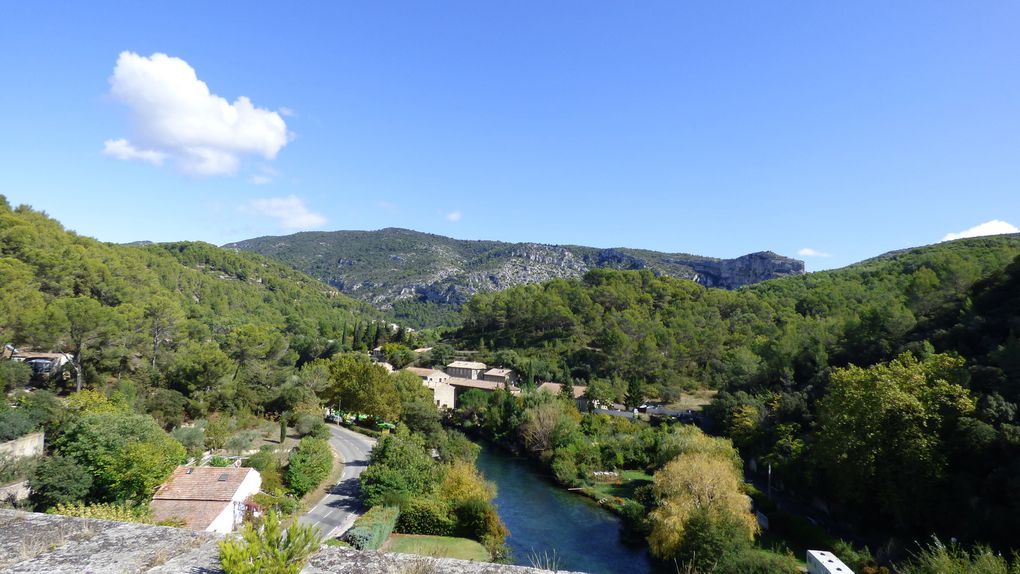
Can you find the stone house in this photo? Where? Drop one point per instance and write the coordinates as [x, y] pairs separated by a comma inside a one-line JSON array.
[[465, 369], [505, 376], [443, 392]]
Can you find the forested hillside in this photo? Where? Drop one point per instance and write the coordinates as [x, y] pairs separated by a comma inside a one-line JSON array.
[[179, 315], [423, 278], [889, 388]]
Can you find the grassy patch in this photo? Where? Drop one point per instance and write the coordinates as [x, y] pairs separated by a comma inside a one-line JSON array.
[[630, 480], [438, 546], [694, 400]]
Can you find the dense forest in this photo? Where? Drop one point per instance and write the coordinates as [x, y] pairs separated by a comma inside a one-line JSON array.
[[888, 388], [175, 316]]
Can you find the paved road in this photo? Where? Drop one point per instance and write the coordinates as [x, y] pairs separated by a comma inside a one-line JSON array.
[[337, 511]]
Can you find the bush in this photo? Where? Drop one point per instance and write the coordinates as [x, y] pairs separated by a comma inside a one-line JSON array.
[[428, 515], [14, 375], [269, 548], [193, 439], [478, 520], [242, 441], [15, 423], [117, 512], [306, 423], [282, 504], [373, 528], [308, 466], [219, 462], [59, 480], [756, 561]]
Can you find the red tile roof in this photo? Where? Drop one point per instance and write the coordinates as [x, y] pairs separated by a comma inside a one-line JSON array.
[[202, 483]]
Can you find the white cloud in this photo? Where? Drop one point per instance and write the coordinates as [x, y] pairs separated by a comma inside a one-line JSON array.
[[993, 227], [290, 212], [809, 252], [174, 115], [287, 112], [123, 150], [454, 216], [264, 176]]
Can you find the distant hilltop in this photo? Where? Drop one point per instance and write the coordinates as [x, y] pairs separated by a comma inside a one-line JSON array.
[[389, 265]]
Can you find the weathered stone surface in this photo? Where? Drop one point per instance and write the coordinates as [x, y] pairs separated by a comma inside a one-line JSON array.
[[332, 560], [31, 542]]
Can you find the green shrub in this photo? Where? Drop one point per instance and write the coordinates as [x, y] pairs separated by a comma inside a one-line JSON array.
[[59, 480], [478, 520], [283, 504], [309, 465], [373, 528], [427, 515], [219, 462], [756, 561], [269, 549]]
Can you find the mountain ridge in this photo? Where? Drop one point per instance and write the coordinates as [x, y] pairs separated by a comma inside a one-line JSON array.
[[393, 264]]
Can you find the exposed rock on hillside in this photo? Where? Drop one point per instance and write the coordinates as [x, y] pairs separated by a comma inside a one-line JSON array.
[[388, 265]]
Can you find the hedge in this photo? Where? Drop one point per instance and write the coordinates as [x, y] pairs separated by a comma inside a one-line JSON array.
[[428, 515], [309, 465], [373, 528]]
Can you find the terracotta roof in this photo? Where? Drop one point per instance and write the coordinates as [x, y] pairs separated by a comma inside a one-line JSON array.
[[196, 514], [466, 365], [480, 384], [423, 372], [557, 388], [202, 483]]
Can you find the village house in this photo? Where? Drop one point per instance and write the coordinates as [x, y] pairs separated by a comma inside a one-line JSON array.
[[44, 365], [462, 385], [465, 369], [442, 392], [207, 498], [505, 376]]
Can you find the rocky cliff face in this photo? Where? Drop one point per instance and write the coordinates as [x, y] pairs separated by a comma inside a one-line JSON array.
[[389, 265]]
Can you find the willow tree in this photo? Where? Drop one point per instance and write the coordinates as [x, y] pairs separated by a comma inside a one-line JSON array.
[[699, 493]]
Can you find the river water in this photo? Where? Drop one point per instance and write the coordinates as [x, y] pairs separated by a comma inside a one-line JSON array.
[[546, 520]]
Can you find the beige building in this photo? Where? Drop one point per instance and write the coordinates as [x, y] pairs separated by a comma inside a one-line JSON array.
[[505, 376], [442, 392], [207, 498], [465, 369]]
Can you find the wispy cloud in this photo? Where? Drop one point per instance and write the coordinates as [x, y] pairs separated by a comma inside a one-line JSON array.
[[993, 227], [386, 205], [287, 112], [809, 252], [264, 176], [290, 213], [454, 216], [175, 116]]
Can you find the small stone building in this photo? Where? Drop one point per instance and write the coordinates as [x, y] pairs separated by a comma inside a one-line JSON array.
[[207, 498], [465, 369], [442, 392]]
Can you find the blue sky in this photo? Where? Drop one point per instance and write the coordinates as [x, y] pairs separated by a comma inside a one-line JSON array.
[[716, 128]]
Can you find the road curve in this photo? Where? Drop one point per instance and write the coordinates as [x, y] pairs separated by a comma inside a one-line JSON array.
[[336, 512]]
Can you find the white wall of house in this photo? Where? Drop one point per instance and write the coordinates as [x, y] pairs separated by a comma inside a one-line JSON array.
[[233, 511], [443, 394], [224, 522]]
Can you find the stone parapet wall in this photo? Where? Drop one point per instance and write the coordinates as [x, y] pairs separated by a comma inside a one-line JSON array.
[[32, 542]]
